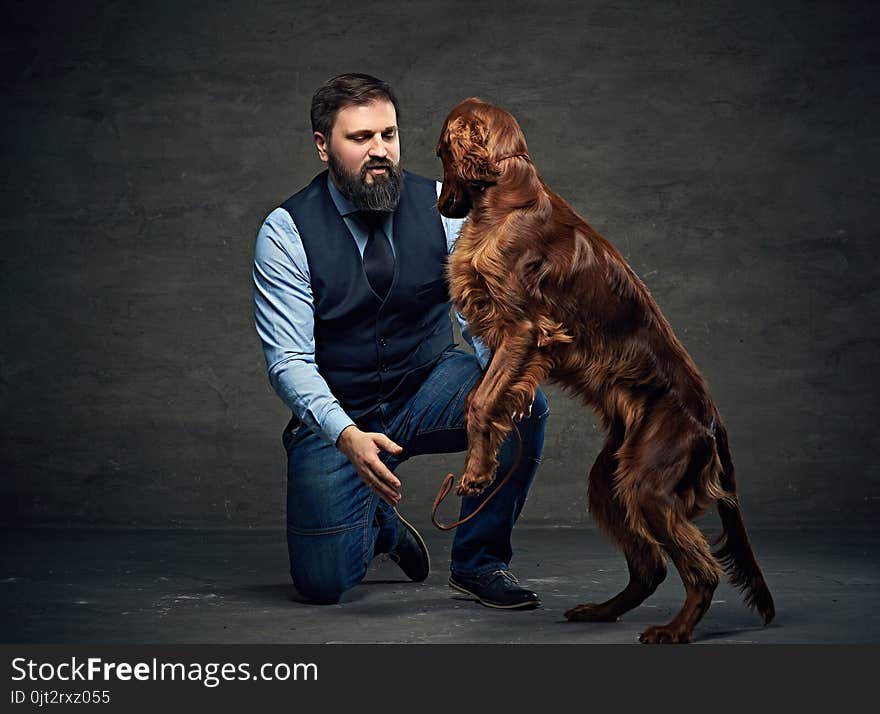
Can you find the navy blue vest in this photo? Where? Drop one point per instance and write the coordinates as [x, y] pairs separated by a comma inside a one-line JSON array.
[[368, 350]]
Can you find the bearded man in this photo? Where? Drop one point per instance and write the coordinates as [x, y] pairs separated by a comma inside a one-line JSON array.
[[353, 313]]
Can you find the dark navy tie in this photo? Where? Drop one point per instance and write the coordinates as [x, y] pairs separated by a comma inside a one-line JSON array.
[[378, 256]]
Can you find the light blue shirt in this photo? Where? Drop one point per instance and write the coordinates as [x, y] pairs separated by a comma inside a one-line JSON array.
[[284, 314]]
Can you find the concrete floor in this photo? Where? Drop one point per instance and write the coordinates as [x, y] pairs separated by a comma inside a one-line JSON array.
[[132, 587]]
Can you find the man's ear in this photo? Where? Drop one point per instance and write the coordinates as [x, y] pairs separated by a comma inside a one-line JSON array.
[[467, 139], [321, 144]]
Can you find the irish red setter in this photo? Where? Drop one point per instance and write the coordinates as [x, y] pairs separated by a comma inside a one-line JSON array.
[[555, 301]]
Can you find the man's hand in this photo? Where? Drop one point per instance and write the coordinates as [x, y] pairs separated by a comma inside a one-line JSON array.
[[362, 449]]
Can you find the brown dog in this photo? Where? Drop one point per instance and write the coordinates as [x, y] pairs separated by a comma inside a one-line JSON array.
[[554, 300]]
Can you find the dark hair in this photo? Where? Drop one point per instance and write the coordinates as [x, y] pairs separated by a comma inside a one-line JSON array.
[[343, 91]]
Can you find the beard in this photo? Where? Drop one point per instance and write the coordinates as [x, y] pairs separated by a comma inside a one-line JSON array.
[[382, 195]]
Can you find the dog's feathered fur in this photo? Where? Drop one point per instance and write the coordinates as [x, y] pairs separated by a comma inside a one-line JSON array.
[[554, 300]]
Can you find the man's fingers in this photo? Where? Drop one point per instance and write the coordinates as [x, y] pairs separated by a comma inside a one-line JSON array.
[[362, 449], [382, 476], [383, 486], [384, 443], [387, 494], [381, 472]]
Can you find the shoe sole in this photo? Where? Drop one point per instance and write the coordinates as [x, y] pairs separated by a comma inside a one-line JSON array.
[[421, 541], [530, 605]]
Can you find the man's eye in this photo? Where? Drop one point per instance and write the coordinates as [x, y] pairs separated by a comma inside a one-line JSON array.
[[389, 135]]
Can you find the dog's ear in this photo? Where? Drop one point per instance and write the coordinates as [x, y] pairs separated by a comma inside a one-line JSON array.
[[467, 140]]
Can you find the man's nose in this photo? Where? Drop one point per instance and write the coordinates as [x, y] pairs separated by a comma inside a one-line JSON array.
[[378, 148]]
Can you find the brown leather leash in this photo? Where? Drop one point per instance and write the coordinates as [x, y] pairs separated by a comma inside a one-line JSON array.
[[446, 487]]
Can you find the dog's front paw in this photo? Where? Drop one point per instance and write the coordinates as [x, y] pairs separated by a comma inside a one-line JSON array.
[[590, 612], [472, 485]]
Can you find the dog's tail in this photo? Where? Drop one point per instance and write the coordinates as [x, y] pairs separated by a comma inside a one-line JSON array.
[[735, 551]]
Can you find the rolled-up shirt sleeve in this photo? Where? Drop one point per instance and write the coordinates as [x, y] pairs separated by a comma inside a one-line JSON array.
[[452, 227], [284, 318]]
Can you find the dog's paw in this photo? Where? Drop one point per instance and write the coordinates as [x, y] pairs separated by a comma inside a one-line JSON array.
[[664, 635], [590, 612], [471, 486]]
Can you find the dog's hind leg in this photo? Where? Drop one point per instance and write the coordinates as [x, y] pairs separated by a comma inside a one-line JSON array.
[[690, 553], [644, 559]]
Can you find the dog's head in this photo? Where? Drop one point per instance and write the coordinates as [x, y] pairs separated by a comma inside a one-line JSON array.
[[475, 139]]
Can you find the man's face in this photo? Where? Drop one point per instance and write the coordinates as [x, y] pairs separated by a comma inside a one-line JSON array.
[[363, 155]]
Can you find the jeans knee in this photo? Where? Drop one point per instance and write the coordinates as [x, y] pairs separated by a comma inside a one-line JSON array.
[[323, 568], [319, 591]]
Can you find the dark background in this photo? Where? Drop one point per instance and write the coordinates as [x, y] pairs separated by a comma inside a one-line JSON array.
[[728, 149]]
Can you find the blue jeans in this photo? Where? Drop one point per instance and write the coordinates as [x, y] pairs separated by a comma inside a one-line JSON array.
[[336, 524]]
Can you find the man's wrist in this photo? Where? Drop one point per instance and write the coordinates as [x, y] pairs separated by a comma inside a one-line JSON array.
[[345, 435], [334, 424]]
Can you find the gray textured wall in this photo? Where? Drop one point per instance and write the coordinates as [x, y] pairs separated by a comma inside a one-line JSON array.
[[729, 149]]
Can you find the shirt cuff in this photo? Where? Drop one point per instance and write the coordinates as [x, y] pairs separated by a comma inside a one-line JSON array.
[[334, 424]]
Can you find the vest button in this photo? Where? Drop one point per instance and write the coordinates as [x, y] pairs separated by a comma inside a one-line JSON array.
[[384, 367], [383, 342]]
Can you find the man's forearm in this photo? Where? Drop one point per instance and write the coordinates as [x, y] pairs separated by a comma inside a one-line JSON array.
[[303, 389]]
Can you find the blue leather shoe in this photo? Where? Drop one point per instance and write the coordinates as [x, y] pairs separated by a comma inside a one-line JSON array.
[[500, 588], [410, 551]]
